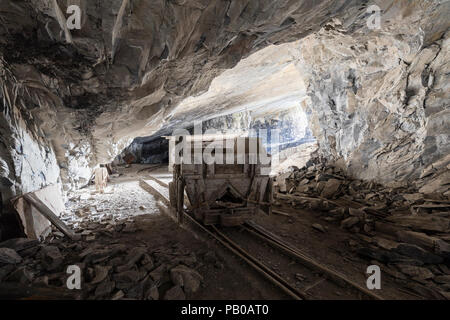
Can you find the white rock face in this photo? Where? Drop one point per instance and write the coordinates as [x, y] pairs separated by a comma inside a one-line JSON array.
[[27, 160], [377, 100], [380, 104]]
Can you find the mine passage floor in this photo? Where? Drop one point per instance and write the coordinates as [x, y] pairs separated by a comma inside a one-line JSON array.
[[127, 224]]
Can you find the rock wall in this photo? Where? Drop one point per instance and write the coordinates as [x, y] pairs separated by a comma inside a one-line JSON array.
[[379, 100], [27, 160], [123, 74]]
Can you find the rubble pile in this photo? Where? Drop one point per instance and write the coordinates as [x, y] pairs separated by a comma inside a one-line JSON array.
[[109, 270], [121, 201], [405, 231]]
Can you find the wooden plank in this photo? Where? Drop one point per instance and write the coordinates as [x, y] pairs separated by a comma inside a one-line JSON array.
[[161, 183], [147, 187], [48, 213]]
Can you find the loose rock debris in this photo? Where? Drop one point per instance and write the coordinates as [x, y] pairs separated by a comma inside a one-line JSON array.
[[115, 271], [114, 265], [402, 230]]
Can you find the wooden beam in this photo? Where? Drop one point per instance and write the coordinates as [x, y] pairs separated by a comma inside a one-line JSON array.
[[48, 213]]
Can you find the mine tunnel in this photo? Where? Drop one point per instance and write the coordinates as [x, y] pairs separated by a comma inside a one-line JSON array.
[[328, 130]]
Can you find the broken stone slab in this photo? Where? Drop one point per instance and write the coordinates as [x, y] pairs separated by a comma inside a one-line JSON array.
[[146, 260], [281, 181], [413, 197], [137, 291], [89, 274], [158, 273], [426, 223], [393, 273], [408, 250], [135, 254], [385, 243], [386, 256], [417, 238], [387, 228], [9, 256], [125, 267], [21, 275], [349, 222], [95, 256], [175, 293], [442, 248], [127, 278], [319, 227], [101, 273], [19, 244], [185, 277], [435, 244], [41, 281], [356, 213], [5, 271], [116, 262], [51, 257], [105, 288], [118, 295], [30, 252], [188, 260], [415, 271], [331, 188], [152, 293], [445, 279], [417, 253]]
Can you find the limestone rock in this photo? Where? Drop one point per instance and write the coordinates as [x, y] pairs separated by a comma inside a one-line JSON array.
[[331, 188], [101, 273], [19, 244], [185, 277], [416, 272], [21, 275], [51, 257], [175, 293], [152, 293], [9, 256], [349, 222], [104, 289]]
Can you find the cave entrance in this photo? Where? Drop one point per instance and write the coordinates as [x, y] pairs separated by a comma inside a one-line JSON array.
[[145, 150]]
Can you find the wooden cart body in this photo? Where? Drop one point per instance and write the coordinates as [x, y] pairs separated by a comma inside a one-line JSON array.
[[225, 194]]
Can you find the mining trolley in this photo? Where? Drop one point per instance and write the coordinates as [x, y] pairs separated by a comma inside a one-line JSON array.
[[225, 194]]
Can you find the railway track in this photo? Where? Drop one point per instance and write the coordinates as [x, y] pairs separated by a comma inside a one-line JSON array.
[[318, 274]]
